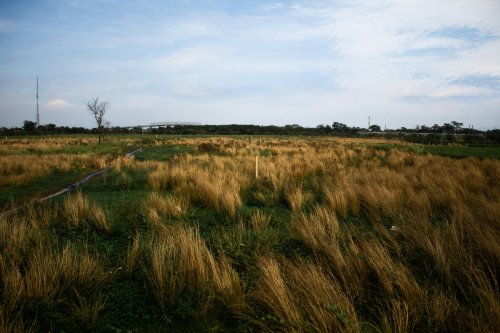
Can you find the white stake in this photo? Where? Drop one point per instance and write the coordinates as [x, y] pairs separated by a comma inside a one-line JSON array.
[[256, 166]]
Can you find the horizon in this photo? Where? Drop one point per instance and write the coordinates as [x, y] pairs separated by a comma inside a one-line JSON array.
[[252, 62], [171, 124]]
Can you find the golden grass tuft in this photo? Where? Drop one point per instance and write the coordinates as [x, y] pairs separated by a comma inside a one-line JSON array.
[[335, 249], [215, 194], [178, 260], [214, 189], [86, 310], [135, 255], [397, 318], [296, 197], [80, 211], [274, 294], [161, 206], [301, 297], [259, 220], [342, 198], [18, 237], [49, 279], [318, 230]]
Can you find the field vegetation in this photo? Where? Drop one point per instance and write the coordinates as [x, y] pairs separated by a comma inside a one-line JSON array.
[[333, 235]]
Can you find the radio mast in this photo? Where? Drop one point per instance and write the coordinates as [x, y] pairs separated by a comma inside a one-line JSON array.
[[37, 112]]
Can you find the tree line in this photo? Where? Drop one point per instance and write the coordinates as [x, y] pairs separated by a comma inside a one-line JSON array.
[[448, 132]]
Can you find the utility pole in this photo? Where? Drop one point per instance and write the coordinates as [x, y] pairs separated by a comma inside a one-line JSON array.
[[37, 111]]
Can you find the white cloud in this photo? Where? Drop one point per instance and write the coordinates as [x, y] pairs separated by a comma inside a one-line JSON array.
[[437, 43], [273, 6], [424, 91], [58, 103], [458, 91], [186, 58]]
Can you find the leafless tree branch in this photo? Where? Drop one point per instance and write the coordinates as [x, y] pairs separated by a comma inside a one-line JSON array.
[[98, 110]]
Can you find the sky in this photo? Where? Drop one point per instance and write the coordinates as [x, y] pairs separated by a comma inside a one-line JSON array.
[[400, 62]]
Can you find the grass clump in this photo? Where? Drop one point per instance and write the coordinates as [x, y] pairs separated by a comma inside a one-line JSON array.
[[51, 283], [179, 263], [80, 212]]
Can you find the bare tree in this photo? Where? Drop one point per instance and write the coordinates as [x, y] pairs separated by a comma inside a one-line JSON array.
[[98, 110]]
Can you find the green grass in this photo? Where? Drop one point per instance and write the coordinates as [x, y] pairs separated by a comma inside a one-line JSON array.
[[162, 153], [112, 148], [129, 306], [453, 151], [40, 187], [464, 151]]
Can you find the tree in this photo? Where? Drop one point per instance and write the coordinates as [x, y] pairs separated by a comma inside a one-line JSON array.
[[493, 135], [98, 110], [425, 129], [448, 128], [374, 128], [457, 126], [339, 127], [51, 128], [29, 126]]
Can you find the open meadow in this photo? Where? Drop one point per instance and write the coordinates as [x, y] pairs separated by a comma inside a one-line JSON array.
[[332, 235]]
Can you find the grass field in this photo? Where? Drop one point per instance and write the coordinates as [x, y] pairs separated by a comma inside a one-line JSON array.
[[453, 151], [334, 235]]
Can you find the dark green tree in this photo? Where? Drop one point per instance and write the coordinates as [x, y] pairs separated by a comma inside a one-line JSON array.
[[448, 128], [29, 126], [457, 126], [339, 127]]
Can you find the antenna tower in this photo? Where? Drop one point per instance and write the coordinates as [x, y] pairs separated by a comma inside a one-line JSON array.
[[368, 122], [37, 111]]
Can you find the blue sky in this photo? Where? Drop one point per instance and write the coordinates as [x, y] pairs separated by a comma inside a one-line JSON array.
[[402, 62]]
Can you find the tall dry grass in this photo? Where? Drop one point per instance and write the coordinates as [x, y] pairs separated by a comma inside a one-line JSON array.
[[300, 297], [296, 197], [135, 255], [17, 170], [81, 212], [443, 210], [260, 220], [38, 278], [194, 180], [334, 235], [178, 261], [164, 206], [48, 280]]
